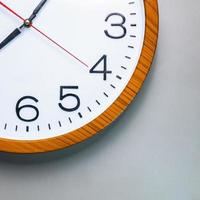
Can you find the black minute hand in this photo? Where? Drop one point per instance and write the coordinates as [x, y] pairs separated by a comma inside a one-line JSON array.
[[27, 23], [37, 9]]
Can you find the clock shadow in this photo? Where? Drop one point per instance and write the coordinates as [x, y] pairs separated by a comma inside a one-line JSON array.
[[90, 146]]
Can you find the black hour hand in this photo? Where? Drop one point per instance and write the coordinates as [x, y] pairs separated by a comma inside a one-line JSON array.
[[27, 23], [10, 37]]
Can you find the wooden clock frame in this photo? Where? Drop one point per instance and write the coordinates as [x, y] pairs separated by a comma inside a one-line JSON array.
[[129, 93]]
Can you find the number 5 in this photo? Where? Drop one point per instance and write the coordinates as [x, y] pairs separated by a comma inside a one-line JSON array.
[[64, 95]]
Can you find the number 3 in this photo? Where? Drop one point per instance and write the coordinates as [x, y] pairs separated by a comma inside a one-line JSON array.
[[121, 25]]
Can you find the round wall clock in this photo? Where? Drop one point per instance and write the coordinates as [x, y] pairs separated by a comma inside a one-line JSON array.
[[69, 68]]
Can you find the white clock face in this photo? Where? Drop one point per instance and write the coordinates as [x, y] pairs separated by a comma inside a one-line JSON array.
[[56, 82]]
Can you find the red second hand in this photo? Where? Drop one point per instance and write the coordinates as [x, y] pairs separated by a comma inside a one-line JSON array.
[[50, 39], [42, 33], [12, 11]]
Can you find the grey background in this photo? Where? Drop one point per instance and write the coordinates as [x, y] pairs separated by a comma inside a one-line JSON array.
[[151, 153]]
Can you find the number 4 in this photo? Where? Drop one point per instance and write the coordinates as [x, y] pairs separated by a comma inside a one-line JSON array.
[[103, 60]]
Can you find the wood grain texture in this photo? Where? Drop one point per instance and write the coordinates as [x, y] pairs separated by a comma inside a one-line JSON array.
[[129, 93]]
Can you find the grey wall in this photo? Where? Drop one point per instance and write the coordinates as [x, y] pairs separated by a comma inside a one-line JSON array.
[[151, 153]]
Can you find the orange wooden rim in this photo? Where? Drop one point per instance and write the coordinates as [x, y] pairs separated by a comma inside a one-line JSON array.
[[129, 93]]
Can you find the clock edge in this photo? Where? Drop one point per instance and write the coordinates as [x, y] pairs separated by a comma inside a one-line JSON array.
[[114, 111]]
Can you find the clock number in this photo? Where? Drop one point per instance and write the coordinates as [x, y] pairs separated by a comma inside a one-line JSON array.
[[64, 95], [28, 106], [103, 60], [120, 25]]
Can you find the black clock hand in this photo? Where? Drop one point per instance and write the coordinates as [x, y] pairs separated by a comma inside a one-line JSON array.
[[10, 37], [42, 33], [27, 23], [36, 10]]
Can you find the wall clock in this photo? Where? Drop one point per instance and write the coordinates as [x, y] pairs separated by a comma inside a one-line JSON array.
[[69, 68]]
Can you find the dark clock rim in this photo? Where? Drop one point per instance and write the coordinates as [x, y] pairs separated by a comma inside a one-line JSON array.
[[114, 111]]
